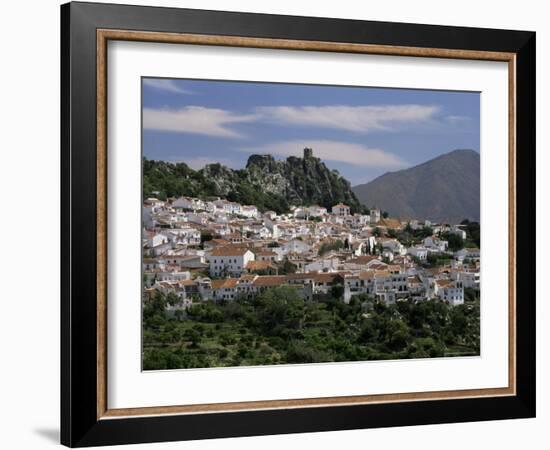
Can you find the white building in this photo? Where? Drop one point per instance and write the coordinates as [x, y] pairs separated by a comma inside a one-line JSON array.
[[458, 231], [188, 203], [295, 246], [435, 244], [323, 265], [450, 291], [472, 253], [341, 210], [469, 279], [249, 211], [228, 207], [316, 211], [185, 235], [156, 239], [420, 252], [229, 260], [394, 246], [374, 215]]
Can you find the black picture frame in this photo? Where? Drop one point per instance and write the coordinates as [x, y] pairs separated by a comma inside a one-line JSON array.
[[79, 423]]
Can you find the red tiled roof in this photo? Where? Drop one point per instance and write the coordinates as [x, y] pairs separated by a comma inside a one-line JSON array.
[[229, 250], [269, 281], [259, 265], [225, 283]]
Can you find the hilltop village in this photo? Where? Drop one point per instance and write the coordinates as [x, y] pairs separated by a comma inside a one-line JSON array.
[[210, 250]]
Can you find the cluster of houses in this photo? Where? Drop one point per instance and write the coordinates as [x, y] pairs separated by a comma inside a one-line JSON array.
[[220, 250]]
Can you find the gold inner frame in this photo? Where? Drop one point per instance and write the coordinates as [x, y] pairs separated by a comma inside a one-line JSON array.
[[104, 35]]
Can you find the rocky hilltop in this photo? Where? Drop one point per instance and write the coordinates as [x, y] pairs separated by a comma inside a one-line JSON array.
[[445, 189], [265, 182]]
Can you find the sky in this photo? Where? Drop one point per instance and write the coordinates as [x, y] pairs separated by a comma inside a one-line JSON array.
[[362, 132]]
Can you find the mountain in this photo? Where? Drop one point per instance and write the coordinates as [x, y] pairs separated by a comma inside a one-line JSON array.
[[444, 189], [268, 183]]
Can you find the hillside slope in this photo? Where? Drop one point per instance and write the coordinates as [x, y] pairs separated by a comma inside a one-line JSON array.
[[445, 188], [265, 182]]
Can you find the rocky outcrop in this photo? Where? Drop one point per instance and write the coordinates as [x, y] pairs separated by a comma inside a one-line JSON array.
[[265, 182]]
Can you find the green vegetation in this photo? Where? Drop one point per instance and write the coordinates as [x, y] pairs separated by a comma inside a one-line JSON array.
[[278, 327], [409, 237], [286, 267], [472, 233], [455, 241], [265, 182], [437, 259], [163, 179], [328, 246]]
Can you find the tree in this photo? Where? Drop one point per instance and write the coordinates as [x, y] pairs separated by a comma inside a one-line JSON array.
[[194, 336], [455, 241], [385, 214], [206, 236], [472, 232], [277, 326], [337, 291], [397, 335], [287, 267], [328, 246], [298, 353]]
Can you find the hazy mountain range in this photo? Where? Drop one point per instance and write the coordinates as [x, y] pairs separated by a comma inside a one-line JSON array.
[[445, 188]]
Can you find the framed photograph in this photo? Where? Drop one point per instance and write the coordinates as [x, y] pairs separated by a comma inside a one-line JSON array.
[[276, 224]]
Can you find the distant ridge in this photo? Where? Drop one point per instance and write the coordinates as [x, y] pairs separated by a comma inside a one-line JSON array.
[[444, 189]]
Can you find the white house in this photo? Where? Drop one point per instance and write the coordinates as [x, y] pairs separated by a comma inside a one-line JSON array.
[[316, 210], [450, 291], [184, 235], [228, 207], [155, 239], [469, 279], [361, 283], [420, 252], [229, 260], [147, 217], [341, 210], [374, 215], [458, 231], [433, 243], [266, 255], [472, 253], [188, 203], [323, 265], [249, 211], [387, 254], [300, 212], [359, 220], [296, 246], [394, 246]]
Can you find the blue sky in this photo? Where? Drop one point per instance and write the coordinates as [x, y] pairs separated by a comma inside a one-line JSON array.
[[362, 132]]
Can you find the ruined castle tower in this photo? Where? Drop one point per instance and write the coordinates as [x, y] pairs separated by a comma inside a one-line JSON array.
[[308, 153]]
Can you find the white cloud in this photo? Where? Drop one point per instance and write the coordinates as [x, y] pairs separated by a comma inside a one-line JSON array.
[[328, 150], [165, 85], [457, 120], [195, 120], [360, 119]]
